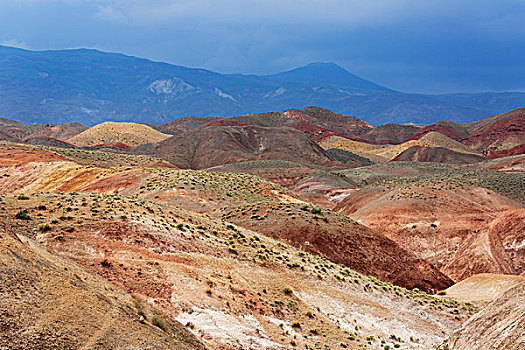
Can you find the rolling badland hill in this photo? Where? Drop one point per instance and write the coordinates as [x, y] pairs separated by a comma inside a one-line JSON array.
[[273, 243]]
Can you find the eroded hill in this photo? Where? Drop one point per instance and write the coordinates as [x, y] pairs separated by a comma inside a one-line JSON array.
[[243, 255], [211, 146], [29, 169], [462, 222], [483, 288], [20, 132], [340, 240]]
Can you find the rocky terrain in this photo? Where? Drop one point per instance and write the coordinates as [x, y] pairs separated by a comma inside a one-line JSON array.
[[17, 131], [345, 139], [390, 133], [385, 152], [499, 132], [232, 287]]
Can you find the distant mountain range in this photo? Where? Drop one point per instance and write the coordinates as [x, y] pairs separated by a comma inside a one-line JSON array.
[[90, 87]]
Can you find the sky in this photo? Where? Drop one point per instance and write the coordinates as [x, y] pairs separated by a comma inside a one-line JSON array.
[[424, 46]]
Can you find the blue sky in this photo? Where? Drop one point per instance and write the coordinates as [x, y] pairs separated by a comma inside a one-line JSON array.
[[429, 46]]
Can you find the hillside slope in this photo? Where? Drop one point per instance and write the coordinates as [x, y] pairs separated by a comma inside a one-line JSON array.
[[436, 155], [495, 133], [181, 125], [109, 133], [318, 123], [212, 146], [499, 132], [49, 302], [327, 119], [390, 134], [232, 287], [483, 288], [359, 248], [383, 153], [21, 132], [455, 131], [451, 221], [500, 325], [30, 169]]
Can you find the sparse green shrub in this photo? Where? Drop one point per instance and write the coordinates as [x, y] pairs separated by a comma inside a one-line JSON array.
[[317, 210], [105, 263], [22, 197], [22, 215]]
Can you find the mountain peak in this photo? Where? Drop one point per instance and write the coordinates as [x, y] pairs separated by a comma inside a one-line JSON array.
[[328, 73], [323, 65]]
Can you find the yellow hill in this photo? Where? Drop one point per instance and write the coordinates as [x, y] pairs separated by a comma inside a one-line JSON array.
[[436, 139], [384, 153], [131, 134]]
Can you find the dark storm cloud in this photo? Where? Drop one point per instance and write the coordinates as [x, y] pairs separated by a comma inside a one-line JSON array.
[[424, 46]]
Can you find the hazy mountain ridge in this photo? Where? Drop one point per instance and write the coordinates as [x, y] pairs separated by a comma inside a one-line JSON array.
[[90, 86]]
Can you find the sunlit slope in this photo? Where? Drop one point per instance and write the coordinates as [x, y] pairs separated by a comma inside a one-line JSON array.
[[109, 133]]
